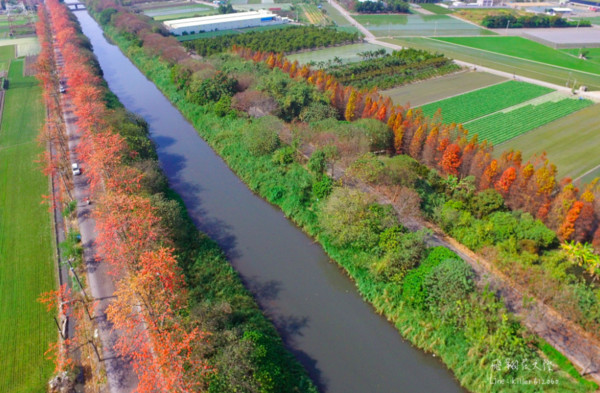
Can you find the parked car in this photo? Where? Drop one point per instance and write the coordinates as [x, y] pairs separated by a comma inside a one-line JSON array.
[[75, 168], [62, 90]]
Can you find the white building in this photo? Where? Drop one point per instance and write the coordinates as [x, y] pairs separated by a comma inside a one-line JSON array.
[[238, 20]]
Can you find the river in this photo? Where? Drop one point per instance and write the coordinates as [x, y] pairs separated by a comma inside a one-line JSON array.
[[345, 346]]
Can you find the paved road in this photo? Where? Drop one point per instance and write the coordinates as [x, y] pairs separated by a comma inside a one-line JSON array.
[[120, 375]]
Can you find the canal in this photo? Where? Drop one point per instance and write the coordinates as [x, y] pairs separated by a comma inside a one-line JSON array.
[[338, 338]]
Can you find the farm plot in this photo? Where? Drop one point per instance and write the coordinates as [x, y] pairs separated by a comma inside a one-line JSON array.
[[478, 103], [519, 66], [570, 142], [525, 49], [417, 25], [313, 15], [436, 9], [26, 254], [345, 54], [503, 126], [421, 93]]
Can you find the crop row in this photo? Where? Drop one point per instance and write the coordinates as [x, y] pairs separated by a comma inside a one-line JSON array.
[[501, 127], [478, 103]]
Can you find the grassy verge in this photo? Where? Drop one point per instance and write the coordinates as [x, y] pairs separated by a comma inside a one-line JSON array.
[[26, 253], [263, 175], [558, 358]]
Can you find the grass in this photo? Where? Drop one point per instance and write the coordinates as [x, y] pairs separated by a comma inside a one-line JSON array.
[[348, 53], [503, 126], [436, 89], [477, 15], [26, 253], [6, 54], [469, 106], [571, 142], [593, 54], [525, 49], [418, 25], [559, 359], [436, 9], [518, 66]]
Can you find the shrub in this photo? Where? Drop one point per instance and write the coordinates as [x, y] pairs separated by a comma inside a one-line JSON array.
[[486, 202], [403, 251], [353, 218], [262, 137], [322, 188], [414, 291], [449, 281], [318, 111]]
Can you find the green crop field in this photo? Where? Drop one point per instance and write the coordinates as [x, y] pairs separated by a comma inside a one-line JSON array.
[[26, 253], [431, 90], [518, 66], [346, 53], [469, 106], [592, 54], [393, 25], [570, 142], [503, 126], [436, 9], [525, 49]]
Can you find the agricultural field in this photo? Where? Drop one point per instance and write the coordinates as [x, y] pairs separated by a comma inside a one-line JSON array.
[[218, 33], [421, 93], [570, 142], [338, 19], [436, 9], [502, 126], [478, 103], [313, 15], [26, 252], [525, 49], [261, 6], [510, 64], [592, 56], [346, 54], [418, 25], [477, 15]]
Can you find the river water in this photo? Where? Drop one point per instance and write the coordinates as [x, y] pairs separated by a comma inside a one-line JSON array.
[[339, 339]]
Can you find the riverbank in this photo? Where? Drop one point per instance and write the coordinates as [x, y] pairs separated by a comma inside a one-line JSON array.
[[260, 175]]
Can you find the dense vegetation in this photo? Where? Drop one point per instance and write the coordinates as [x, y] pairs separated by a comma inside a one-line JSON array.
[[503, 21], [469, 328], [388, 70], [286, 40], [241, 351], [481, 102], [374, 7], [502, 126]]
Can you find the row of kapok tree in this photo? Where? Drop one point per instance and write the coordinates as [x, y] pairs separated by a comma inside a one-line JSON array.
[[150, 290], [528, 186]]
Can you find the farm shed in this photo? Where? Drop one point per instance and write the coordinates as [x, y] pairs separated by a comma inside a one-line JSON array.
[[238, 20]]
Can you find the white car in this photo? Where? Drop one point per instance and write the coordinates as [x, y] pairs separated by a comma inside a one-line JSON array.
[[75, 168]]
